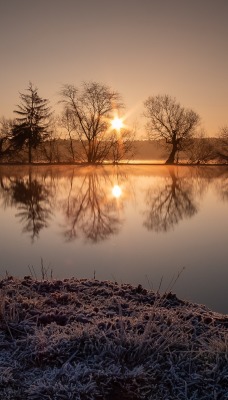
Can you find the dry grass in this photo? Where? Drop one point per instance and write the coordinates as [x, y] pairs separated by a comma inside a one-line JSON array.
[[86, 339]]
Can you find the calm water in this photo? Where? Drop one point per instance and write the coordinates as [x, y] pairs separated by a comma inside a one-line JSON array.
[[135, 224]]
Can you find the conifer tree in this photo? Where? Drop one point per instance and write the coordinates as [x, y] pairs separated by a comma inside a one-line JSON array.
[[31, 125]]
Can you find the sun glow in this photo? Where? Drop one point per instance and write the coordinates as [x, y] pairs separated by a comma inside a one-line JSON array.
[[116, 191], [117, 123]]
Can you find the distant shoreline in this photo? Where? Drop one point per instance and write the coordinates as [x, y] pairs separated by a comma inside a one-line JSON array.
[[116, 164]]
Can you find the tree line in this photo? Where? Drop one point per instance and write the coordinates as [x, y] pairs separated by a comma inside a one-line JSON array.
[[86, 118]]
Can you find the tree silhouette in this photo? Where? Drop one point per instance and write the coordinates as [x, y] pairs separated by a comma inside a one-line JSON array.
[[222, 152], [6, 126], [169, 203], [201, 151], [90, 110], [31, 126], [170, 121], [66, 122]]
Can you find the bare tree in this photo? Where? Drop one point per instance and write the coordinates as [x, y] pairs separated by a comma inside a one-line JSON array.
[[5, 131], [201, 150], [123, 146], [222, 151], [49, 150], [168, 120], [90, 109], [66, 122]]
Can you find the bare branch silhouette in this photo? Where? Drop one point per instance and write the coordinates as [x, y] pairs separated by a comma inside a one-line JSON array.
[[168, 120]]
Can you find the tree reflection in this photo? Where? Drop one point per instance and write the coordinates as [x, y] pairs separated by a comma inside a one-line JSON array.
[[215, 176], [32, 200], [91, 210], [224, 190], [169, 203], [222, 186]]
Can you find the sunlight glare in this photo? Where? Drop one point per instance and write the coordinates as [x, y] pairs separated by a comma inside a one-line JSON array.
[[116, 191], [117, 123]]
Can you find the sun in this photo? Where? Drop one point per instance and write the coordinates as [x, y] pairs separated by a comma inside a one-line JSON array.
[[116, 191], [117, 123]]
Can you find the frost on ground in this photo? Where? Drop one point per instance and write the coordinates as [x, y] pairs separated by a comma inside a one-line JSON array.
[[86, 339]]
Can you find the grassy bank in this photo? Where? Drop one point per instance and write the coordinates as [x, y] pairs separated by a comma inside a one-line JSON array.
[[86, 339]]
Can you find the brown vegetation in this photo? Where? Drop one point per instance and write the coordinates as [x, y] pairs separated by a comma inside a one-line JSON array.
[[86, 339]]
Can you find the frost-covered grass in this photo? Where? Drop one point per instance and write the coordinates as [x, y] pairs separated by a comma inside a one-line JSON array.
[[86, 339]]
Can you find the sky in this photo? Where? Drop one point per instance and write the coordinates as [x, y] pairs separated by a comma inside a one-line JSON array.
[[139, 48]]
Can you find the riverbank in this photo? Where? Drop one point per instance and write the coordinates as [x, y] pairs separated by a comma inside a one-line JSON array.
[[87, 339]]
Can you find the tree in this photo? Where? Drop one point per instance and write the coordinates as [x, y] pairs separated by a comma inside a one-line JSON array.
[[170, 121], [5, 131], [90, 110], [66, 121], [223, 144], [49, 150], [122, 145], [31, 127], [202, 150]]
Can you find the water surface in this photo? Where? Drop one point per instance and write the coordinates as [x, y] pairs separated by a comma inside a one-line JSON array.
[[137, 224]]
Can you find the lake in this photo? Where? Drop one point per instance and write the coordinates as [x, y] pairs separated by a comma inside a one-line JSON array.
[[162, 227]]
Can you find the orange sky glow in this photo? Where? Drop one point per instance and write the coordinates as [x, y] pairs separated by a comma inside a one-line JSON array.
[[139, 48]]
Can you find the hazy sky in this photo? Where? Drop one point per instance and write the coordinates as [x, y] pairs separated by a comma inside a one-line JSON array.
[[138, 47]]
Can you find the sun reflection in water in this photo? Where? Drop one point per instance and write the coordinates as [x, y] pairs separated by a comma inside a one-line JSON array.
[[116, 191]]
